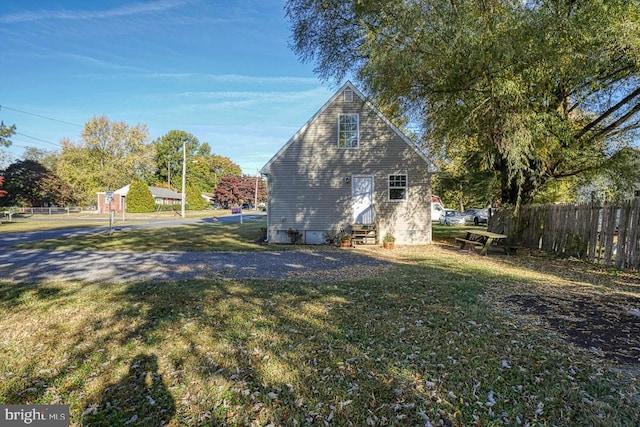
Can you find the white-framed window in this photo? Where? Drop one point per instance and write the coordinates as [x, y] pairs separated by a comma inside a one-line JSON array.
[[348, 95], [348, 131], [398, 187]]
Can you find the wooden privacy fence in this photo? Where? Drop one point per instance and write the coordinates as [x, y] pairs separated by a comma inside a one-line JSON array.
[[608, 234]]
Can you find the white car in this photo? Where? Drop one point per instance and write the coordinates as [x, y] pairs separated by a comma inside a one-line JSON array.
[[476, 216], [452, 217]]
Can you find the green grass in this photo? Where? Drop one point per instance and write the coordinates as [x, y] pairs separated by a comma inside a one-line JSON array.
[[214, 236], [199, 237], [428, 341]]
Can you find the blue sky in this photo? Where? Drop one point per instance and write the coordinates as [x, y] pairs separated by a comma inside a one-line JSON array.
[[221, 70]]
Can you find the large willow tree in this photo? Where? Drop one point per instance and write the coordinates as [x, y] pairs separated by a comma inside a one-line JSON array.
[[534, 91]]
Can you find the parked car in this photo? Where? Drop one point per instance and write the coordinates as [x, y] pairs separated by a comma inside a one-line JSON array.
[[451, 217], [436, 208], [476, 216], [436, 211]]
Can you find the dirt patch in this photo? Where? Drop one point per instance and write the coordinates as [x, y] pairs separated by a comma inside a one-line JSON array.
[[597, 322], [589, 305]]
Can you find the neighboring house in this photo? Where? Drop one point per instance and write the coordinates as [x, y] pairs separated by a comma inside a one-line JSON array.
[[162, 196], [349, 168]]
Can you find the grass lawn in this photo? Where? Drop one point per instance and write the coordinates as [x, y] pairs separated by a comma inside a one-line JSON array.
[[38, 222], [443, 337], [197, 237]]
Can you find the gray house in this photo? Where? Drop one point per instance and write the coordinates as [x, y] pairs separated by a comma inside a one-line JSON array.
[[348, 168]]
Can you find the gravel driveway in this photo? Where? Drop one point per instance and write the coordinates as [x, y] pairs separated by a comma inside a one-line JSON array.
[[310, 265]]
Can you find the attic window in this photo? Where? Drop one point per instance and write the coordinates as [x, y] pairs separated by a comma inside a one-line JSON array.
[[348, 95], [348, 131]]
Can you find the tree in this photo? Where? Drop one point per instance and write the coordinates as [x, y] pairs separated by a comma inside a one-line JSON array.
[[223, 166], [235, 190], [195, 201], [110, 155], [204, 173], [5, 141], [46, 158], [169, 156], [139, 198], [2, 192], [541, 90], [29, 183], [6, 132], [199, 175]]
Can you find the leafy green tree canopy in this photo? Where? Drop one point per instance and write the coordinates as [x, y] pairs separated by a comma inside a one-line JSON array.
[[47, 158], [224, 166], [534, 91], [29, 183], [169, 156], [6, 132], [205, 173], [110, 155], [195, 201]]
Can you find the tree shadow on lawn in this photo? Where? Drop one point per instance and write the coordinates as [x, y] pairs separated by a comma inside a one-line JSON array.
[[588, 304], [260, 347], [591, 305], [257, 346], [270, 351]]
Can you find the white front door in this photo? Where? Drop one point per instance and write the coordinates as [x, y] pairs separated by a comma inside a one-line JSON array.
[[362, 197]]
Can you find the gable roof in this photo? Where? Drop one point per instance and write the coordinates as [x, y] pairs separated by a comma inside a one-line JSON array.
[[266, 168], [156, 192], [164, 193]]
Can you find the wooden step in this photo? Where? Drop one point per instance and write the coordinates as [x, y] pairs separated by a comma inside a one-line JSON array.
[[364, 234]]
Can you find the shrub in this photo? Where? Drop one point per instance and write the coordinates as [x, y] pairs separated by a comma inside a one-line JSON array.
[[294, 236], [194, 199], [139, 198]]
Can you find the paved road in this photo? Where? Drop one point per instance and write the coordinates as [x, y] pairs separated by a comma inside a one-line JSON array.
[[38, 265]]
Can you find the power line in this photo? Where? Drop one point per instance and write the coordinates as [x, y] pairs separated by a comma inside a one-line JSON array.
[[13, 144], [38, 139], [38, 115]]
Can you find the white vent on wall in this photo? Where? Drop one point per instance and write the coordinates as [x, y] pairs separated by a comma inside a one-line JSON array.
[[348, 95]]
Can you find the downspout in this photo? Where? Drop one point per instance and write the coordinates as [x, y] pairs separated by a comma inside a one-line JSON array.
[[268, 176]]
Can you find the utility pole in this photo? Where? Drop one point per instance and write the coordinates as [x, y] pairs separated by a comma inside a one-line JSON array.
[[184, 174], [255, 197]]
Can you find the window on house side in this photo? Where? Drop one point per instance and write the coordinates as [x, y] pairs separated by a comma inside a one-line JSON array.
[[397, 187], [348, 131], [348, 95]]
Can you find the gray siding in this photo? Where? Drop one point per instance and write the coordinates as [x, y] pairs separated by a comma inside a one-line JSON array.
[[309, 180]]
